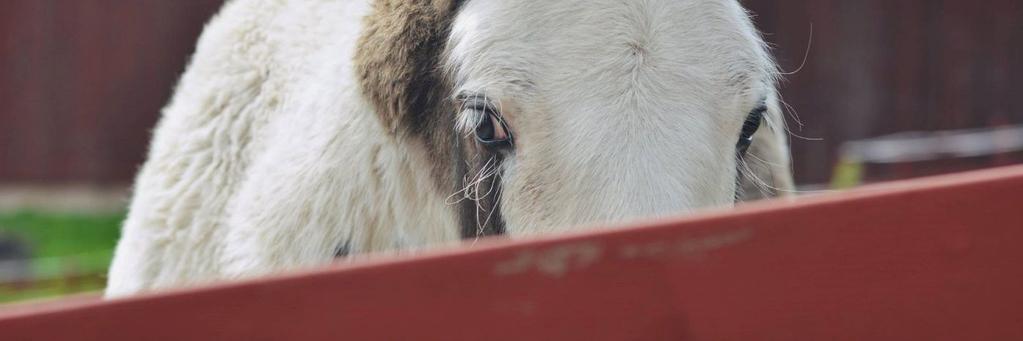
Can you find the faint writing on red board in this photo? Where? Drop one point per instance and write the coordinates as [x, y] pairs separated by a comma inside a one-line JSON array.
[[688, 247], [555, 261], [559, 260]]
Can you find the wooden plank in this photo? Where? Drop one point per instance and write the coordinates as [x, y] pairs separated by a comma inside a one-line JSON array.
[[934, 259]]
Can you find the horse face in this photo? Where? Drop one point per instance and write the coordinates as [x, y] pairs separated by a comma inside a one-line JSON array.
[[580, 112]]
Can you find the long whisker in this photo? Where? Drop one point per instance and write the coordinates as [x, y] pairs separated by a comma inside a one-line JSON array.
[[471, 182]]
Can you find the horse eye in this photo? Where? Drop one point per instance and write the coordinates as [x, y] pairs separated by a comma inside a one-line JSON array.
[[750, 127], [492, 131]]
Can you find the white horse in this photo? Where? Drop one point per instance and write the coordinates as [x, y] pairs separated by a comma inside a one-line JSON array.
[[305, 130]]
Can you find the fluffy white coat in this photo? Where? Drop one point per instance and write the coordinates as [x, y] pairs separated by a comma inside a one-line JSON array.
[[270, 158]]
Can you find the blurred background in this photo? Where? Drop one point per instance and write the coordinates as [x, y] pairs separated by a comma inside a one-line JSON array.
[[886, 90]]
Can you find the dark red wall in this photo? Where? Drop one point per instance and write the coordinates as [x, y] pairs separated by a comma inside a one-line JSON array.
[[883, 66], [82, 82]]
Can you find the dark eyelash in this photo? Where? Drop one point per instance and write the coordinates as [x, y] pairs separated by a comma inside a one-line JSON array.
[[749, 127], [487, 113], [489, 118]]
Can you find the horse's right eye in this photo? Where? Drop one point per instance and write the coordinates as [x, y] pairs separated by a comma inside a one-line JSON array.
[[492, 131]]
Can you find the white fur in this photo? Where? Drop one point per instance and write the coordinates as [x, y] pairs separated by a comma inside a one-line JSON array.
[[270, 158], [620, 109]]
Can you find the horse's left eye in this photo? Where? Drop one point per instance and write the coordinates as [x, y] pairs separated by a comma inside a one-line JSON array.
[[750, 127], [492, 131]]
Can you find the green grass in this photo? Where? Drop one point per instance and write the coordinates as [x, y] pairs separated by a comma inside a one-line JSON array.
[[57, 235], [62, 244]]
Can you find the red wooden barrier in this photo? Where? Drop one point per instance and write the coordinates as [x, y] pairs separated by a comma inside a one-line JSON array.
[[933, 259]]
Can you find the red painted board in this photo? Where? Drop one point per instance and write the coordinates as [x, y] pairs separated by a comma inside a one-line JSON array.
[[932, 259]]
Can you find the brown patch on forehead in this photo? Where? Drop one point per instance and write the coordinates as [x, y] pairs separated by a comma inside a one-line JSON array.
[[398, 60], [398, 65]]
